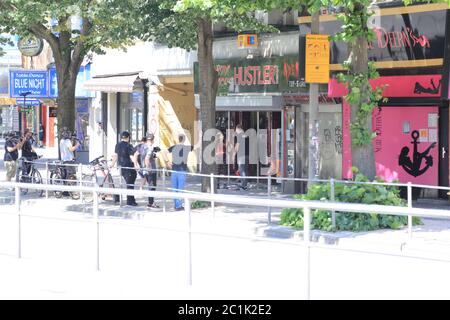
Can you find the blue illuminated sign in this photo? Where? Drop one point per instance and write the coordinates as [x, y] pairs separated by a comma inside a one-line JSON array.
[[33, 84]]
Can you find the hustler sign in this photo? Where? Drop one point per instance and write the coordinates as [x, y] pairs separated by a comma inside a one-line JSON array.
[[256, 75], [263, 75]]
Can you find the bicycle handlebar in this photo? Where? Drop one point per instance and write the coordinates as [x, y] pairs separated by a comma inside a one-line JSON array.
[[96, 160]]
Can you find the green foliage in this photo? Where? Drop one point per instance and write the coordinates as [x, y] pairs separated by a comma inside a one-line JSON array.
[[350, 193], [102, 24], [4, 41], [362, 94], [198, 204], [355, 20], [108, 23]]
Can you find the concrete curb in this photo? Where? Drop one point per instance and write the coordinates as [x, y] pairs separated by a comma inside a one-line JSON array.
[[425, 241], [396, 241]]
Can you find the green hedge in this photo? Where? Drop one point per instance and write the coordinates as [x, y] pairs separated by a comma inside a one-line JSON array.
[[350, 193], [198, 204]]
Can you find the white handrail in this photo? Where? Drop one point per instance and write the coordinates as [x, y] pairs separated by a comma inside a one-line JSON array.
[[195, 174], [243, 200], [230, 199]]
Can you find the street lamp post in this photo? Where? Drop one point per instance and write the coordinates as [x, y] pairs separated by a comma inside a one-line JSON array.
[[24, 95]]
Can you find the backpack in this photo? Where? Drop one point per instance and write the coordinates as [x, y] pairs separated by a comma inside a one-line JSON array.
[[142, 150]]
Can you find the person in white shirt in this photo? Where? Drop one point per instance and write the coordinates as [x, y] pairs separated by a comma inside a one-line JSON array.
[[67, 148]]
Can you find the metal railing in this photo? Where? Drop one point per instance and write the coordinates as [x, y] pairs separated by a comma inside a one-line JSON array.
[[307, 206], [79, 168]]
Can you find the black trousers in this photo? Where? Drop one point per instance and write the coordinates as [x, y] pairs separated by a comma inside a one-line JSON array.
[[129, 175], [151, 180]]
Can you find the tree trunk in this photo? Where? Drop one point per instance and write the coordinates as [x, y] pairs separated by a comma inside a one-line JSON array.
[[363, 157], [67, 77], [208, 90], [66, 106]]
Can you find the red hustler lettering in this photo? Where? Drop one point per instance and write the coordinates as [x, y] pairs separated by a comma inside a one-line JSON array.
[[256, 75], [224, 78], [291, 69]]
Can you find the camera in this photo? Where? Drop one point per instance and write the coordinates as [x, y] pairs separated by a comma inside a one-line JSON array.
[[155, 151], [73, 137]]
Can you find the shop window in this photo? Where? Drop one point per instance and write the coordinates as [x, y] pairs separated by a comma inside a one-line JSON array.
[[132, 115]]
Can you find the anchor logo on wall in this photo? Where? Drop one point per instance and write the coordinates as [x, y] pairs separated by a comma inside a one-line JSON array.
[[413, 167]]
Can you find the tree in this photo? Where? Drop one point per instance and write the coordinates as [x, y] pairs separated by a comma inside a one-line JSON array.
[[189, 25], [363, 99], [4, 41], [103, 24]]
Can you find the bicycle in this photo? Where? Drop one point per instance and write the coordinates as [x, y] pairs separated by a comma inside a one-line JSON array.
[[62, 174], [106, 181], [27, 173]]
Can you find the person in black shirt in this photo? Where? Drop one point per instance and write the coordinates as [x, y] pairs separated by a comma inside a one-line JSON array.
[[12, 147], [41, 135], [28, 151], [124, 155], [180, 153]]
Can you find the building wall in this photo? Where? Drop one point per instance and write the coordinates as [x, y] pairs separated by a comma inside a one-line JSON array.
[[112, 125], [183, 105], [148, 57], [95, 132], [282, 44]]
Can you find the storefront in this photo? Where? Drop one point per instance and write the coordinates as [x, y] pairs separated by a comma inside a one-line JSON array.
[[132, 116], [267, 98], [412, 127]]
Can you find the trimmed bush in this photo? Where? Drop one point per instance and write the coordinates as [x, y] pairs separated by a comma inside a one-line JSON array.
[[197, 204], [350, 193]]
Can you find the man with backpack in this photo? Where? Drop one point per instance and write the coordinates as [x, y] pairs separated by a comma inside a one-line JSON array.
[[150, 165]]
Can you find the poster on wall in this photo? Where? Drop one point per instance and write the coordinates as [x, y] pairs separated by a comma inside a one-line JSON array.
[[406, 153]]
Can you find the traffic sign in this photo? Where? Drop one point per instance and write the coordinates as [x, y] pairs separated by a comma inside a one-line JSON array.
[[27, 102]]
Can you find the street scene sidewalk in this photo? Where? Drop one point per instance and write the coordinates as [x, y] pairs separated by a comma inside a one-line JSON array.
[[143, 255], [143, 251]]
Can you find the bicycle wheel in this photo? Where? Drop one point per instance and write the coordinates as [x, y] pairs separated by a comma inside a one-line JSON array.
[[87, 181], [107, 183], [36, 178], [72, 181], [22, 178], [56, 179]]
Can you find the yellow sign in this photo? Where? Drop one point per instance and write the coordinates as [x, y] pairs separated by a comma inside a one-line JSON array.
[[317, 64], [247, 41]]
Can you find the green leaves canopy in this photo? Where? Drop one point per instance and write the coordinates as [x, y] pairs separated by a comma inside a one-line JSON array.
[[106, 23]]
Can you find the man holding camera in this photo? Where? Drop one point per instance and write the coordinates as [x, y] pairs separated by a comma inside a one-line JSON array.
[[12, 147], [150, 165], [67, 148]]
